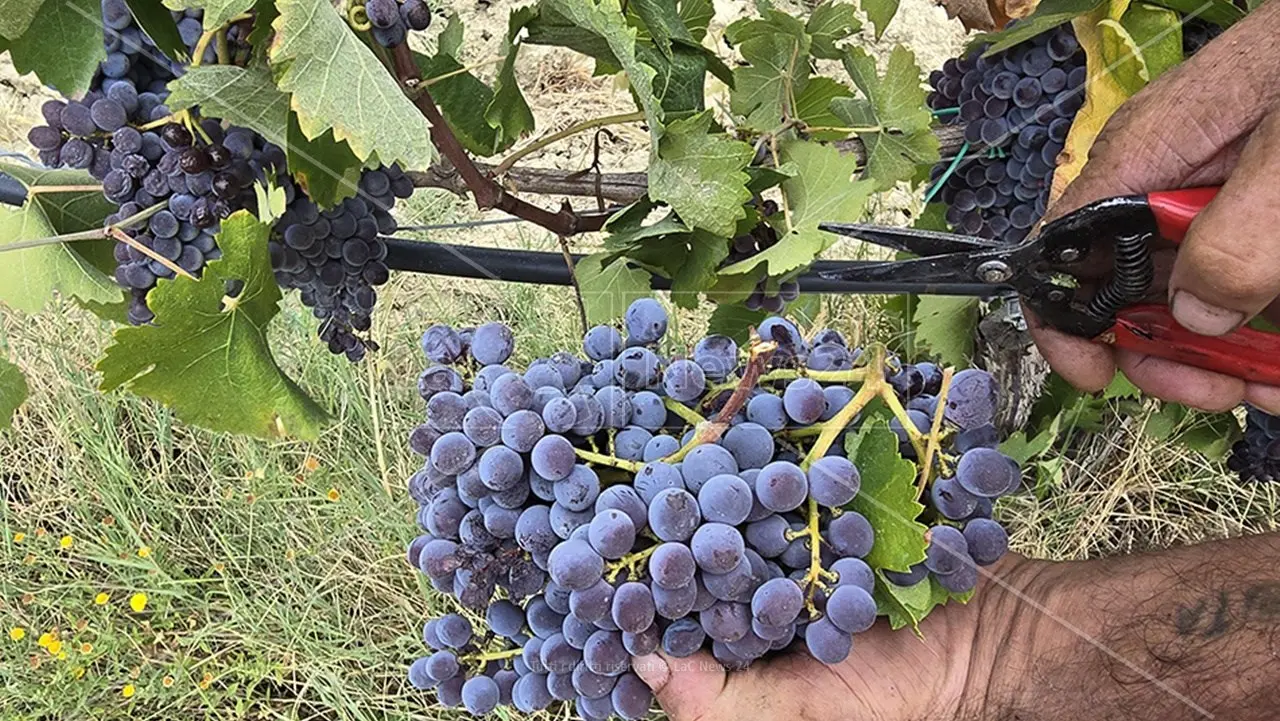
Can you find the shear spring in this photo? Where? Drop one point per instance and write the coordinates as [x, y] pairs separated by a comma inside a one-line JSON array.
[[1132, 278]]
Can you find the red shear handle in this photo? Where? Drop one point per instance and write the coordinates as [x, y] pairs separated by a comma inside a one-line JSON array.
[[1175, 209], [1252, 355]]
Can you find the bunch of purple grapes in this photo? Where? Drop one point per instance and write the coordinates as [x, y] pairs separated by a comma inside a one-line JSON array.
[[334, 257], [579, 567], [1016, 107], [759, 239], [1256, 457], [200, 180], [392, 20]]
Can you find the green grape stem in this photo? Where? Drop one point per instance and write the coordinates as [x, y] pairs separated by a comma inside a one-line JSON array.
[[689, 415], [606, 460], [935, 433], [629, 562], [483, 658]]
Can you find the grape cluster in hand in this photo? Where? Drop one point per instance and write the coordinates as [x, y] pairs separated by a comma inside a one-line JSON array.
[[392, 20], [335, 257], [578, 567], [1016, 107]]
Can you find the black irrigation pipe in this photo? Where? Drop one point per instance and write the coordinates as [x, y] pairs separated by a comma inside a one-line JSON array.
[[528, 266]]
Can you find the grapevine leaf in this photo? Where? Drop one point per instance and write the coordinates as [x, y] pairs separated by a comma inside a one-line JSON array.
[[1049, 14], [508, 113], [156, 21], [895, 108], [777, 50], [29, 276], [813, 107], [324, 167], [904, 605], [604, 20], [822, 190], [13, 391], [16, 16], [945, 326], [247, 97], [829, 23], [678, 81], [1210, 434], [888, 497], [731, 289], [697, 270], [735, 321], [337, 82], [207, 357], [450, 40], [216, 12], [1023, 448], [1120, 387], [701, 175], [880, 13], [62, 45], [627, 237], [463, 100], [607, 290], [662, 21], [696, 16], [763, 178], [1219, 12], [1103, 96], [1142, 45], [264, 15]]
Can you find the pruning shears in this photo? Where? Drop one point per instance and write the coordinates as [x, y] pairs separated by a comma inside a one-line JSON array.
[[1090, 273]]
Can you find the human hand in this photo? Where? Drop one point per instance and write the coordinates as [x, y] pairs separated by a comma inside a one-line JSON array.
[[1214, 120], [889, 676]]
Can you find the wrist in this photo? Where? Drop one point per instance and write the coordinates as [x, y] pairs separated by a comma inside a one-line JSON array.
[[1021, 613]]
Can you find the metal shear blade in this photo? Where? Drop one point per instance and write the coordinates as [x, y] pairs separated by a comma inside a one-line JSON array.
[[911, 240]]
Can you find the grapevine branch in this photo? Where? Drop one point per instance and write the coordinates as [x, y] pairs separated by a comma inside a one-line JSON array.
[[487, 192], [758, 358]]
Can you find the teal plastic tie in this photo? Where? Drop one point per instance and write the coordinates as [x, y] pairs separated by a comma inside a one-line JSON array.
[[955, 163]]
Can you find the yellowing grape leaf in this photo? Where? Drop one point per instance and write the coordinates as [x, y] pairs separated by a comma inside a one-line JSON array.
[[62, 44], [898, 138], [701, 174], [888, 497], [822, 190], [28, 277], [1103, 96], [1141, 44], [13, 391], [607, 290], [207, 355], [337, 82]]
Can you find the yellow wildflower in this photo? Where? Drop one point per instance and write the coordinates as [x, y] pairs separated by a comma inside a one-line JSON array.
[[138, 602], [46, 639], [310, 464], [19, 537], [17, 633], [128, 690], [62, 655], [77, 672], [54, 647], [144, 552], [101, 599], [66, 542], [40, 532], [333, 494], [168, 682], [86, 648]]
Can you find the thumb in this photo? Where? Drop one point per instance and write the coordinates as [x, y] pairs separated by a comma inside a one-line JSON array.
[[687, 688], [1228, 268]]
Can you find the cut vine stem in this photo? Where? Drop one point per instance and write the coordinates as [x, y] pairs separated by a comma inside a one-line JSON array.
[[757, 358]]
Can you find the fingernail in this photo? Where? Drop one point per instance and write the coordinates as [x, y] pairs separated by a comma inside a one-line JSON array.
[[652, 669], [1200, 317]]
